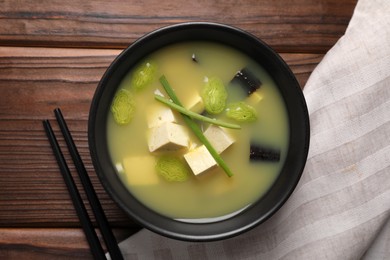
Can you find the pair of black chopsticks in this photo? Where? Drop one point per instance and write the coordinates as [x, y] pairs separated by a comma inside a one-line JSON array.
[[94, 243]]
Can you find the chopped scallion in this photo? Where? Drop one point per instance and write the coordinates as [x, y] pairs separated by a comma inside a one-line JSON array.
[[195, 115]]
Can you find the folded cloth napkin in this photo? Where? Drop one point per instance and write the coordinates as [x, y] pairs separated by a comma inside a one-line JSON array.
[[342, 202]]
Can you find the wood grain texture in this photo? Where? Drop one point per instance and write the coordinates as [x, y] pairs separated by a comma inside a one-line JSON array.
[[48, 243], [288, 26], [32, 85]]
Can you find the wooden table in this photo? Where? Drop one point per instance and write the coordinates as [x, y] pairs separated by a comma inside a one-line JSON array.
[[53, 53]]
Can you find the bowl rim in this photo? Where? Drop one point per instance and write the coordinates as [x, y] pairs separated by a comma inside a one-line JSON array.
[[133, 52]]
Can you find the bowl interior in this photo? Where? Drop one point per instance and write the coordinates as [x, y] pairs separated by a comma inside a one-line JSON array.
[[298, 122]]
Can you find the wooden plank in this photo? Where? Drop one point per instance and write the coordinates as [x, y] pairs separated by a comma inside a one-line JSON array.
[[32, 191], [34, 81], [299, 26], [48, 243]]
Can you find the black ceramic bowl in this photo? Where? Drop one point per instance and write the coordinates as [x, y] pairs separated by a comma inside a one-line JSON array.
[[298, 122]]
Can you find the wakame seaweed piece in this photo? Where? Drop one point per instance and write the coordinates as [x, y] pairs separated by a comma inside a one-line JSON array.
[[247, 80], [261, 153]]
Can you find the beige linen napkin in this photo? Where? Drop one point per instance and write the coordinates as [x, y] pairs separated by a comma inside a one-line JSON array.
[[342, 202]]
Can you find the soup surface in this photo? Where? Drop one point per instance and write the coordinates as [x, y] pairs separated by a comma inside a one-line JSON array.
[[211, 195]]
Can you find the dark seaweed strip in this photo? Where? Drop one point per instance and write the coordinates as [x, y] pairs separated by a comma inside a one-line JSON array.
[[246, 79], [260, 153]]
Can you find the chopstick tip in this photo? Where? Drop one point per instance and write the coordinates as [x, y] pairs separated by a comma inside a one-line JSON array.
[[45, 122], [57, 110]]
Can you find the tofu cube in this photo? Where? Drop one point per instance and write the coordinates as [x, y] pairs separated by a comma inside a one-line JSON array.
[[159, 114], [139, 170], [168, 136], [200, 160], [255, 98], [218, 138], [196, 105]]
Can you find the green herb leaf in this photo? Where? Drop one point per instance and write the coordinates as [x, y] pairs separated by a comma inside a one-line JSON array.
[[143, 75], [172, 168], [123, 107], [241, 111], [214, 95]]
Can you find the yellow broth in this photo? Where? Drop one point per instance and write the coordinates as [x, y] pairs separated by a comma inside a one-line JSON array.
[[214, 194]]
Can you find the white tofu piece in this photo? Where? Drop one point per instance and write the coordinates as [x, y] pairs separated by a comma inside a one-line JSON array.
[[158, 114], [218, 138], [139, 170], [200, 160], [168, 136], [196, 105]]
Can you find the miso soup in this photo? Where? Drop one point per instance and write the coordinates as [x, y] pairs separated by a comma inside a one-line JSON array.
[[255, 153]]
